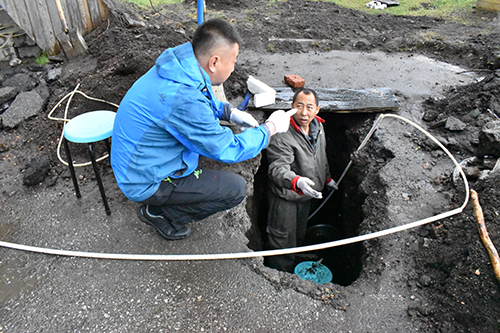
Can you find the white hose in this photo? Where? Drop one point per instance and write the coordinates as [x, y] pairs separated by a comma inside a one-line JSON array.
[[65, 120], [241, 255]]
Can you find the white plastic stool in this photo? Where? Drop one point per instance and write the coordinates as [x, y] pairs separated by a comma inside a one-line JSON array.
[[88, 128]]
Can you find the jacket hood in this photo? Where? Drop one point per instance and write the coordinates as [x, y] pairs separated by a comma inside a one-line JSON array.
[[180, 65]]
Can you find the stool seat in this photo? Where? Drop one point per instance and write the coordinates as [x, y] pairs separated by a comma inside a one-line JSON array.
[[90, 127]]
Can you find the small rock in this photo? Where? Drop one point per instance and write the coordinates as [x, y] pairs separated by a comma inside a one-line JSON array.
[[472, 173], [36, 171], [430, 115], [425, 280], [424, 310], [3, 147], [472, 115], [7, 94], [22, 82], [454, 124], [26, 105], [453, 144], [489, 140], [54, 74], [15, 62]]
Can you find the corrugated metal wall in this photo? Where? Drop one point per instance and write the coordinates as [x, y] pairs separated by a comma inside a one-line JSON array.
[[57, 25]]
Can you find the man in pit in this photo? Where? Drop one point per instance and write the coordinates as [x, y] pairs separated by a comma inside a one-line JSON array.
[[298, 171]]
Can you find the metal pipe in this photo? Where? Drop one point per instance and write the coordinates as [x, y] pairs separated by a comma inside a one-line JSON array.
[[201, 8]]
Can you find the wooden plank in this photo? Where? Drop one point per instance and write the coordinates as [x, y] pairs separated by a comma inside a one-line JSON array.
[[72, 41], [95, 14], [58, 25], [103, 10], [36, 20], [18, 12], [340, 100], [10, 8], [53, 46], [73, 15], [86, 17]]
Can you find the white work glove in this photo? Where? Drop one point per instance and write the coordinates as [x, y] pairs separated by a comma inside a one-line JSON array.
[[305, 184], [281, 119], [333, 184], [243, 119]]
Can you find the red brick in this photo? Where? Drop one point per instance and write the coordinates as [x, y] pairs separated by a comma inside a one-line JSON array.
[[294, 81]]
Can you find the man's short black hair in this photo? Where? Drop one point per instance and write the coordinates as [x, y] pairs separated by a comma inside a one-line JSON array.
[[212, 33], [306, 91]]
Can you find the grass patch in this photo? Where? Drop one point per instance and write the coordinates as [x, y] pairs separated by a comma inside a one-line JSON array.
[[446, 9], [42, 59]]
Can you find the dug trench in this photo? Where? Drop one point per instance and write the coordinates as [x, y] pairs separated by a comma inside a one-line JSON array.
[[340, 217], [436, 278]]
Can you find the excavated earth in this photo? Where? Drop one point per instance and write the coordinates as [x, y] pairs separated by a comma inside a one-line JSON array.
[[437, 277]]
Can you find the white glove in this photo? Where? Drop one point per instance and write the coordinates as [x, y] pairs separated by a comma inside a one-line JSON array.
[[305, 184], [281, 119], [243, 119], [333, 184]]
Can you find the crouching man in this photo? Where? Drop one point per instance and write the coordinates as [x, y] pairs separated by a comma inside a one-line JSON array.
[[169, 117]]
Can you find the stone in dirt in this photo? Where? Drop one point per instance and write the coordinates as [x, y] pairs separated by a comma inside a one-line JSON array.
[[489, 139], [26, 105], [36, 171]]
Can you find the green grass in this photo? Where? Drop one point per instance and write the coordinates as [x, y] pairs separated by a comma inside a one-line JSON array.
[[448, 9], [42, 59], [434, 8]]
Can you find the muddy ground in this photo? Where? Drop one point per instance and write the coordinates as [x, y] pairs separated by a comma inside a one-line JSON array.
[[435, 278]]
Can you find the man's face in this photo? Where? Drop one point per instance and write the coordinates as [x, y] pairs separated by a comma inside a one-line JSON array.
[[306, 109], [225, 64]]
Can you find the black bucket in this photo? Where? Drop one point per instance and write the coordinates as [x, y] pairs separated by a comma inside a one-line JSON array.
[[318, 234], [321, 233]]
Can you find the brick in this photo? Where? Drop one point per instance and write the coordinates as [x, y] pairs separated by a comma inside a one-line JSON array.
[[294, 81]]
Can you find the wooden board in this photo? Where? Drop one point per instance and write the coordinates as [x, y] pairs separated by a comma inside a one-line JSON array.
[[38, 19], [86, 16], [95, 13], [18, 12], [340, 100]]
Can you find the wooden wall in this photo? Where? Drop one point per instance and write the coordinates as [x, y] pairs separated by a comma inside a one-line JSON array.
[[57, 25]]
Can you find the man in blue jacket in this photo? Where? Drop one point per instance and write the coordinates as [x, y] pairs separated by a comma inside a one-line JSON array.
[[169, 117]]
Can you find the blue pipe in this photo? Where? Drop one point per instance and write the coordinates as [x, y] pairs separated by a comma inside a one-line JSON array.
[[200, 11]]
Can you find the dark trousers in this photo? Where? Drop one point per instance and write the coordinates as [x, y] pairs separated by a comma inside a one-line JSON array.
[[199, 195], [286, 228]]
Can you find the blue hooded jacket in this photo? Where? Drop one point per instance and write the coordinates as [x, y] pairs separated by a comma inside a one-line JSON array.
[[167, 119]]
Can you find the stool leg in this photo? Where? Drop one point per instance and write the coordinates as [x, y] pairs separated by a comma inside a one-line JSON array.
[[108, 147], [98, 178], [71, 169]]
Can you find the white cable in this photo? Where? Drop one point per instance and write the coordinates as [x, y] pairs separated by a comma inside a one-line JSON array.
[[241, 255], [65, 120]]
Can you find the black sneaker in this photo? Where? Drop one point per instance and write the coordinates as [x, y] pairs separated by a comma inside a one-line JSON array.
[[166, 229]]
